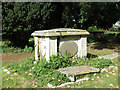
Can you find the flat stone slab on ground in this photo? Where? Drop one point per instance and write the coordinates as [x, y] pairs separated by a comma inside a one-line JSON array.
[[111, 56], [77, 70]]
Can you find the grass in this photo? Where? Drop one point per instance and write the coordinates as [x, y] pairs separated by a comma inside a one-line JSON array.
[[25, 80], [100, 52], [115, 60], [16, 50], [105, 80], [14, 81], [100, 49], [17, 81], [26, 77], [21, 80], [110, 32], [7, 47]]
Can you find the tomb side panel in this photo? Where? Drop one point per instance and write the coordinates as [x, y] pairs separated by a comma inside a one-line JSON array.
[[53, 46], [84, 46], [36, 47], [43, 47]]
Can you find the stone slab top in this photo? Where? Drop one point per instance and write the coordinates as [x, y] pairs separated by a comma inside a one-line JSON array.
[[60, 32], [77, 70]]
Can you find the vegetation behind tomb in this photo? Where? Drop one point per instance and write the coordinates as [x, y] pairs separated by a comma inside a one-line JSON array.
[[20, 19]]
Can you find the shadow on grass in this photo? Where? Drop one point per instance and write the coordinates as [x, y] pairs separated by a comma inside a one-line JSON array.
[[91, 55], [103, 45]]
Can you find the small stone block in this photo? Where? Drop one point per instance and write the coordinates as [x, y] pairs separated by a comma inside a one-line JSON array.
[[72, 78]]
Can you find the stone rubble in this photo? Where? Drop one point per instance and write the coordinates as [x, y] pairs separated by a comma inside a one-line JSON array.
[[104, 69]]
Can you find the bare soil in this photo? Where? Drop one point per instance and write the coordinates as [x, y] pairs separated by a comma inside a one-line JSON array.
[[15, 57]]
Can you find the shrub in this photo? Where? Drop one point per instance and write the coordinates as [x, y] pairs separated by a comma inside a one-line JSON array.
[[93, 28], [6, 48], [57, 61], [5, 44], [31, 41], [90, 40], [116, 29], [28, 49], [20, 19]]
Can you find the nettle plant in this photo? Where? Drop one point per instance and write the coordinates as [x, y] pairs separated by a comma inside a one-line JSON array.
[[57, 61]]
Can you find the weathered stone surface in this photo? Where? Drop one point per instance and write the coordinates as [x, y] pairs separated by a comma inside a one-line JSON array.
[[77, 70], [81, 42], [49, 42], [69, 48], [36, 48], [60, 32], [111, 56]]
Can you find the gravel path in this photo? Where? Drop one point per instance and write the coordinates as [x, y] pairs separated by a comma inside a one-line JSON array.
[[111, 56]]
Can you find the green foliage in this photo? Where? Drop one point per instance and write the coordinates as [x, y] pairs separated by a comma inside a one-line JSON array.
[[5, 44], [28, 49], [100, 63], [67, 15], [99, 14], [46, 72], [11, 50], [54, 77], [8, 48], [84, 15], [31, 41], [21, 67], [114, 29], [16, 50], [57, 61], [39, 70], [90, 40], [95, 62], [93, 28], [20, 19]]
